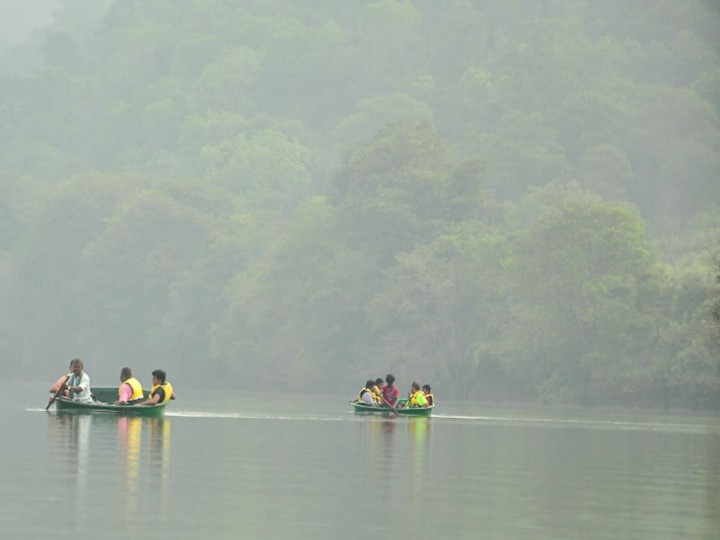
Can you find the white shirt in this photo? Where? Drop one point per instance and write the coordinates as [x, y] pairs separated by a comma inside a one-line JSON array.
[[83, 381]]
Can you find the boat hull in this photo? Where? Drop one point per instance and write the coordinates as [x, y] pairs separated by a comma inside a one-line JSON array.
[[361, 408], [104, 404]]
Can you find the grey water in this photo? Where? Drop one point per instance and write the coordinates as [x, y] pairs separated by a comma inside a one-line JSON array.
[[287, 467]]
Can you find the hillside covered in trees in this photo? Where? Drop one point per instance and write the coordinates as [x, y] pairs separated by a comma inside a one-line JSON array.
[[508, 199]]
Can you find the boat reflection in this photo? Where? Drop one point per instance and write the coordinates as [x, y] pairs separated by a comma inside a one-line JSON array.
[[377, 437], [160, 439], [71, 437], [71, 442], [380, 431], [129, 446], [390, 441], [419, 430], [419, 444], [147, 465], [137, 447]]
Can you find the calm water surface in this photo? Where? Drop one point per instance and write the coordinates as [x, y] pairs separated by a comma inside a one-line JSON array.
[[298, 467]]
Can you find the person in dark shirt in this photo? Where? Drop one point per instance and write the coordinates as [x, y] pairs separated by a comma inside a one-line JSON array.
[[162, 391]]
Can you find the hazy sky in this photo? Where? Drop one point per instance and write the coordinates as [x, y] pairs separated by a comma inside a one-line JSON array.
[[19, 18]]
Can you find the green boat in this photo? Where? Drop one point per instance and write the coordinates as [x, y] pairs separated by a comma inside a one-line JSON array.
[[402, 410], [105, 397]]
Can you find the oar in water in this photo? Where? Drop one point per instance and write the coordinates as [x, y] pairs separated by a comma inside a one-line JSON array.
[[57, 394]]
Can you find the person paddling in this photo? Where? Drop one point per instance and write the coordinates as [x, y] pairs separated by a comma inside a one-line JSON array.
[[55, 388], [390, 392], [59, 387], [79, 383]]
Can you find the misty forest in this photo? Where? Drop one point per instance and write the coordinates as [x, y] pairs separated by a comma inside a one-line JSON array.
[[507, 199]]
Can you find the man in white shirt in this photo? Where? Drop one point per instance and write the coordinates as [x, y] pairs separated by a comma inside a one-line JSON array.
[[79, 383]]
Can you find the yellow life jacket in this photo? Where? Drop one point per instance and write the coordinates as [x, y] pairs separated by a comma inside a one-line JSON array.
[[377, 394], [137, 391], [418, 399], [167, 387], [362, 391], [430, 399]]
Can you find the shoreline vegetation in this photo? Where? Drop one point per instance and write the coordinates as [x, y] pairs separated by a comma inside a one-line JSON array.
[[519, 202]]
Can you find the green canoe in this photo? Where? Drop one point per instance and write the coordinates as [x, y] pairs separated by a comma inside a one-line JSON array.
[[105, 398], [362, 408]]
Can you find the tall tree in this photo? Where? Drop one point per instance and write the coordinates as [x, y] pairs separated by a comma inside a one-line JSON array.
[[575, 318]]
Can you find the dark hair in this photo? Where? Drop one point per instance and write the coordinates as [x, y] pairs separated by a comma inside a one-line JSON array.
[[369, 384], [415, 385], [125, 373], [426, 387], [159, 374], [378, 381], [389, 378]]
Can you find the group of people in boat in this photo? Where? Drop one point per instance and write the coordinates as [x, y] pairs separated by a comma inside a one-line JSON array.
[[75, 386], [381, 392]]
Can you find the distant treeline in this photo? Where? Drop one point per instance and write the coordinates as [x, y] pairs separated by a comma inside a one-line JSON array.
[[508, 199]]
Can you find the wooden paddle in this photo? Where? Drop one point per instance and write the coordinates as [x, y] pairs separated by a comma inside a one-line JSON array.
[[393, 409], [60, 391]]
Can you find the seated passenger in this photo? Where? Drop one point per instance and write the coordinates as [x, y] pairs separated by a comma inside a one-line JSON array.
[[428, 394], [130, 390], [366, 394], [377, 390], [161, 392], [416, 398]]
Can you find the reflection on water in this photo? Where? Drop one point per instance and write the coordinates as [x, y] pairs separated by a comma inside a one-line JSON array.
[[138, 449], [160, 439], [419, 430], [376, 435], [129, 439], [71, 440], [391, 442], [305, 472]]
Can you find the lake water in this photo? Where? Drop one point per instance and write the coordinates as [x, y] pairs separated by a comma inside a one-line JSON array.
[[269, 467]]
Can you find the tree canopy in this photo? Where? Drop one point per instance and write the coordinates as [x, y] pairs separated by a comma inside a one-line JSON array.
[[506, 199]]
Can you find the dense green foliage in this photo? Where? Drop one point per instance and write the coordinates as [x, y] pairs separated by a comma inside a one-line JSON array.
[[507, 199]]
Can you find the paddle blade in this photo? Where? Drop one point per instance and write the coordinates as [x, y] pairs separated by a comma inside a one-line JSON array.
[[60, 391]]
